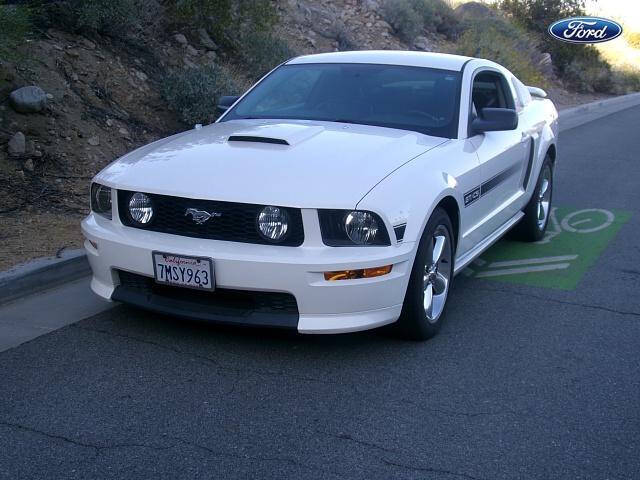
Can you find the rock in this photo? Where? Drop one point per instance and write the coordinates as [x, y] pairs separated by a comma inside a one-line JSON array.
[[109, 122], [546, 64], [72, 53], [37, 154], [28, 165], [371, 5], [94, 141], [211, 56], [141, 75], [421, 43], [125, 133], [87, 43], [205, 40], [49, 96], [17, 145], [28, 99], [181, 39], [474, 11], [191, 51], [188, 63]]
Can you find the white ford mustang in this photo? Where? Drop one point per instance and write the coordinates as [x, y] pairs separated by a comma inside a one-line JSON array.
[[342, 192]]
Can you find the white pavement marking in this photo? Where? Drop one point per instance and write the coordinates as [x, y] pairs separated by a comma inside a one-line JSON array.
[[43, 312], [532, 261], [515, 271]]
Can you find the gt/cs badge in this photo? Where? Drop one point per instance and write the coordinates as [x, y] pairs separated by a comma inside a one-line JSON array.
[[471, 196]]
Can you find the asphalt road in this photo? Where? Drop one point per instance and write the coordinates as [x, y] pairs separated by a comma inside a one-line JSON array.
[[522, 383]]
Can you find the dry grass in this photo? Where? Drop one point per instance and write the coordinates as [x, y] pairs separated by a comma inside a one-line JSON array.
[[30, 235]]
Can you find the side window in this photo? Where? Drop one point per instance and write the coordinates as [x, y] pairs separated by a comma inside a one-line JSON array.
[[491, 90]]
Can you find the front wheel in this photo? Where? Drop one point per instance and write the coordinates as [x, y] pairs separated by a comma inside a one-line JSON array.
[[536, 214], [430, 280]]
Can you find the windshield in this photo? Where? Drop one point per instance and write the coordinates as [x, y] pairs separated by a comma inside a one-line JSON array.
[[410, 98]]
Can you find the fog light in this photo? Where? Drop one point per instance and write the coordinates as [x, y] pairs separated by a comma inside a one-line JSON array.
[[355, 274]]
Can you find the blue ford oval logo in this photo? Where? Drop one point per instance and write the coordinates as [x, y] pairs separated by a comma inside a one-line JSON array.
[[585, 30]]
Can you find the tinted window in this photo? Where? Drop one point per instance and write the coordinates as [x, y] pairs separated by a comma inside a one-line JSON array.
[[410, 98], [491, 91]]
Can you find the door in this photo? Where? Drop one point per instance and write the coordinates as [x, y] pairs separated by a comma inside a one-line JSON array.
[[503, 155]]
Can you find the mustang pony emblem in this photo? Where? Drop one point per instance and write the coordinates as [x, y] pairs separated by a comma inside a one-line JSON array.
[[200, 216]]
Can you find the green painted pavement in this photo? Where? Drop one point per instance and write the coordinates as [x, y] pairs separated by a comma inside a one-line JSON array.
[[575, 239]]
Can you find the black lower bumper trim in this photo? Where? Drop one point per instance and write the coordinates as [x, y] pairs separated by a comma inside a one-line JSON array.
[[230, 307]]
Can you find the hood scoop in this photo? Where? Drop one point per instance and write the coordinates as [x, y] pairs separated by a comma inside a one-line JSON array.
[[257, 139], [289, 134]]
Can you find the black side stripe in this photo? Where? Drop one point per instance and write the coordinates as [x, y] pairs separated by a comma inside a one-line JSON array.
[[477, 192], [525, 182]]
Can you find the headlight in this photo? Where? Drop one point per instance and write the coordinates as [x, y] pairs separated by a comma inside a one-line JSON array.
[[101, 200], [140, 208], [344, 228], [273, 223], [361, 227]]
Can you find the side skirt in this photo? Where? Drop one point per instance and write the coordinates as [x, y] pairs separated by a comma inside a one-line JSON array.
[[471, 255]]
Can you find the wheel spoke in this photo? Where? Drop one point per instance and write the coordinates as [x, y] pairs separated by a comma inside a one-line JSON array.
[[544, 188], [440, 284], [542, 214], [438, 248], [428, 300]]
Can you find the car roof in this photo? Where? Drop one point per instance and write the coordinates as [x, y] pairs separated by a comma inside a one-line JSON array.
[[442, 61]]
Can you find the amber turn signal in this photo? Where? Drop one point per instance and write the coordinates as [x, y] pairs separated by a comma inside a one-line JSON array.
[[361, 273]]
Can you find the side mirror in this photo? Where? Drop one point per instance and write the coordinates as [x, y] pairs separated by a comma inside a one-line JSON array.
[[495, 119], [225, 102]]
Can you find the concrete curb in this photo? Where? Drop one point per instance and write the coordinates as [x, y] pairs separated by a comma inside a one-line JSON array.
[[576, 116], [42, 273]]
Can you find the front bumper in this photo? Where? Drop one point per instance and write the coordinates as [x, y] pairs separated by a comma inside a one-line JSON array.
[[323, 306]]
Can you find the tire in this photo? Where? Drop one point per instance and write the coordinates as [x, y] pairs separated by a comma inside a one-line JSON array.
[[429, 277], [532, 227]]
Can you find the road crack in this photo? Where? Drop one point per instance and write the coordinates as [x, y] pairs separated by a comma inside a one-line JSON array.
[[222, 454], [440, 471], [364, 443], [97, 448], [563, 302], [222, 370]]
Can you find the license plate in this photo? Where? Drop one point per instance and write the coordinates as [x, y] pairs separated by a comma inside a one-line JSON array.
[[183, 271]]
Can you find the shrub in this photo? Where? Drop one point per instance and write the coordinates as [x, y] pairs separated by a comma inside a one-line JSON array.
[[410, 17], [626, 80], [501, 42], [222, 17], [340, 32], [193, 93], [403, 18], [263, 51], [15, 24], [115, 18], [633, 39]]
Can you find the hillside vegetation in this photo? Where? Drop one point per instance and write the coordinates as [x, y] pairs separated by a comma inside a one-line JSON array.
[[116, 74]]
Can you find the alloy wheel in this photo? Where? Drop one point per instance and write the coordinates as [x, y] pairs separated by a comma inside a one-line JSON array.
[[544, 198], [437, 274]]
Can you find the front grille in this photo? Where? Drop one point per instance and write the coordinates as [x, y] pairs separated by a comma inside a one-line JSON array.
[[236, 222], [275, 309]]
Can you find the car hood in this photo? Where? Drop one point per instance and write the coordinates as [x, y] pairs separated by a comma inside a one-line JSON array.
[[306, 164]]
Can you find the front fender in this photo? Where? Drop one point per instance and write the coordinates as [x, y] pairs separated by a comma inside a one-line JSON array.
[[410, 195]]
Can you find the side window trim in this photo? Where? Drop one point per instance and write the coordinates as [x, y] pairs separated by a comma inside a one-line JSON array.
[[506, 88]]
